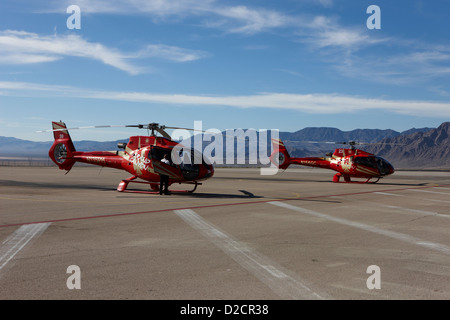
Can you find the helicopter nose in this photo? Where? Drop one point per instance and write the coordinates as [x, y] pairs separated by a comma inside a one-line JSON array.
[[206, 171], [384, 167], [391, 169]]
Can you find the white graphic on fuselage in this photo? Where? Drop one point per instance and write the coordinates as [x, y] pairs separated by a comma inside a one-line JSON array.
[[140, 161]]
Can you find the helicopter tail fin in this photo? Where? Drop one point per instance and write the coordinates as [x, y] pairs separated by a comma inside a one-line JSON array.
[[62, 149], [280, 156]]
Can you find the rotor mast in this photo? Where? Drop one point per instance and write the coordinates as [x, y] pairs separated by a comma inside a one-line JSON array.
[[153, 127]]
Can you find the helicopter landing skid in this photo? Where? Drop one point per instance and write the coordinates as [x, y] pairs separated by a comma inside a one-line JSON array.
[[378, 179], [124, 184], [348, 180]]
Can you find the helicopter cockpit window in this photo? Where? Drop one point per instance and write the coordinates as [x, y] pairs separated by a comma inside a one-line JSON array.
[[159, 153], [366, 161]]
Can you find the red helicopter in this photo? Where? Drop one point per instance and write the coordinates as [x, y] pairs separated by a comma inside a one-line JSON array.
[[349, 163], [141, 157]]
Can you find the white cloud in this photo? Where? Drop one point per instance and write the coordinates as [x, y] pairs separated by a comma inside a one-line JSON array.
[[174, 7], [253, 20], [21, 58], [234, 19], [20, 47], [172, 53], [326, 3], [341, 38], [400, 68], [324, 32], [154, 7], [403, 62], [308, 103]]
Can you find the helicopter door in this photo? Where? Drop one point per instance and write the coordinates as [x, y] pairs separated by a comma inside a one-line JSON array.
[[157, 154]]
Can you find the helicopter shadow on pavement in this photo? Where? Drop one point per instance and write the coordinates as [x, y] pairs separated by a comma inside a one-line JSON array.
[[41, 186], [401, 184], [245, 195], [263, 179], [306, 180]]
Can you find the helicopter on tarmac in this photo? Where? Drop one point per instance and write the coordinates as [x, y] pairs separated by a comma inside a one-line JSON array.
[[141, 157], [348, 162]]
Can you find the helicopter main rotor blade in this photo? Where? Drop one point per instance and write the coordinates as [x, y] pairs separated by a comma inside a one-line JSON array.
[[190, 129], [327, 142], [76, 128]]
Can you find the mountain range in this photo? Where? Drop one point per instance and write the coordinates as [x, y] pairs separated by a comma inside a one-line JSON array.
[[423, 148]]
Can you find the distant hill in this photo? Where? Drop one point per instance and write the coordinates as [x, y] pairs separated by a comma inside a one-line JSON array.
[[429, 149], [413, 148], [16, 147], [299, 143], [24, 148], [333, 134]]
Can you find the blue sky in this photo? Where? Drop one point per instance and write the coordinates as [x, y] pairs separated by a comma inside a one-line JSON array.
[[284, 65]]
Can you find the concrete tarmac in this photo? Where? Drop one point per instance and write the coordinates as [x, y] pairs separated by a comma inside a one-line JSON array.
[[241, 235]]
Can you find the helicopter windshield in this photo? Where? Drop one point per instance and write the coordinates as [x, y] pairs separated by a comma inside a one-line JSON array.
[[384, 166], [189, 167]]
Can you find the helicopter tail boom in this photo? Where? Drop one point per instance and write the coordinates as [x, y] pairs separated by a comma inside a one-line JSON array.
[[62, 149]]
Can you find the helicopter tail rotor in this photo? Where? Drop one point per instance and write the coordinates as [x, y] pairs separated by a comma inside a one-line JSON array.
[[62, 149], [280, 156]]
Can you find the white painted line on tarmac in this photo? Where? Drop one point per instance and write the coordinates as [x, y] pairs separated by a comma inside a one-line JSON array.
[[420, 212], [404, 196], [389, 194], [407, 210], [441, 188], [435, 192], [285, 285], [18, 240], [392, 234]]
